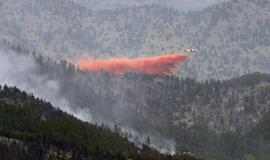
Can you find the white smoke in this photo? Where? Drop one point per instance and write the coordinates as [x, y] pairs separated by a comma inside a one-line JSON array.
[[22, 71], [164, 145]]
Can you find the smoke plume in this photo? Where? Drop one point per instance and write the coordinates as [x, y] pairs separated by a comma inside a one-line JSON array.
[[93, 98], [159, 65]]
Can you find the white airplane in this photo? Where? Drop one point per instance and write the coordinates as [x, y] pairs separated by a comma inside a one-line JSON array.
[[190, 50]]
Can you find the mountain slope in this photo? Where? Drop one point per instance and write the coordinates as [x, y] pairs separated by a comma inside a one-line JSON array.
[[182, 5], [32, 128], [212, 118], [177, 114], [232, 36]]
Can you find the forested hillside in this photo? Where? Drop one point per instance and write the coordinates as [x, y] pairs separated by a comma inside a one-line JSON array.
[[216, 106], [32, 129], [233, 36], [214, 119], [182, 5]]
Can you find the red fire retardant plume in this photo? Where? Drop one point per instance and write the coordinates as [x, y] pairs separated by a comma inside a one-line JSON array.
[[158, 65]]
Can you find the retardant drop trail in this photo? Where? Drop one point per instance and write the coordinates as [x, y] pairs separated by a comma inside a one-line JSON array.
[[158, 65]]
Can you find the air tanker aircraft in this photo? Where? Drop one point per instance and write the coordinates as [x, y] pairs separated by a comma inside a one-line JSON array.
[[190, 50]]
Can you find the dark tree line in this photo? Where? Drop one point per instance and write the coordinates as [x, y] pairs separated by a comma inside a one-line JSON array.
[[182, 108], [41, 129]]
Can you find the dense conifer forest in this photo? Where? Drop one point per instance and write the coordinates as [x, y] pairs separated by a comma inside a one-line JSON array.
[[214, 118], [32, 128]]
